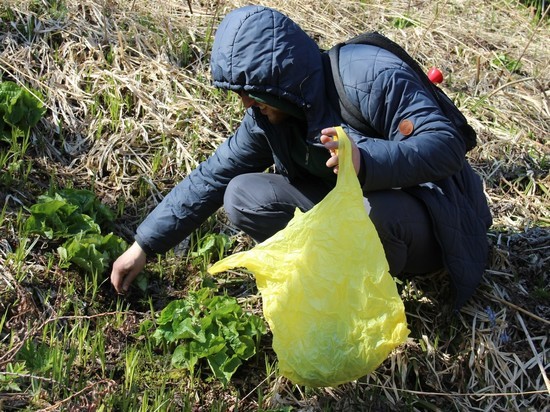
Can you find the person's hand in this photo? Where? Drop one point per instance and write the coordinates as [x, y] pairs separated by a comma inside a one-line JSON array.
[[327, 138], [127, 267]]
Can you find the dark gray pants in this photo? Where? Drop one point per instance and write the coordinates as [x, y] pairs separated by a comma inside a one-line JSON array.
[[261, 204]]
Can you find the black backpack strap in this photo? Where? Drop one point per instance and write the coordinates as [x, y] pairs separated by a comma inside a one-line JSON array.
[[352, 114], [376, 39], [349, 112]]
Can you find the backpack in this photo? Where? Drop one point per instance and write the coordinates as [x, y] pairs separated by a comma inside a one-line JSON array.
[[352, 115]]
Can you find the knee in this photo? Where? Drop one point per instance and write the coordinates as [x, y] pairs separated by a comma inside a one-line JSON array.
[[246, 197], [406, 232], [233, 202]]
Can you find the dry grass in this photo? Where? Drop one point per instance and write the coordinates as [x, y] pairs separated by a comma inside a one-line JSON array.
[[130, 108]]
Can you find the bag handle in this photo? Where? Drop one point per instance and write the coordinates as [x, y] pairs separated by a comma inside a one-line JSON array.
[[346, 170]]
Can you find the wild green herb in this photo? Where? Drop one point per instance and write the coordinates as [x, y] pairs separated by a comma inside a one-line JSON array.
[[68, 212], [9, 378], [402, 22], [503, 61], [55, 218], [36, 356], [77, 217], [91, 252], [20, 110], [208, 246], [210, 327]]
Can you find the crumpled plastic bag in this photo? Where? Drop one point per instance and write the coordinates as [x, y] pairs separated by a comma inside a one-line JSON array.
[[330, 302]]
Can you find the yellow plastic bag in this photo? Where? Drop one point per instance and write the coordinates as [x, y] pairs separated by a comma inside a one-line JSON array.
[[332, 306]]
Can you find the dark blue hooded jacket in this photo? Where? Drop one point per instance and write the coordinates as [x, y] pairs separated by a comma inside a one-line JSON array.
[[259, 49]]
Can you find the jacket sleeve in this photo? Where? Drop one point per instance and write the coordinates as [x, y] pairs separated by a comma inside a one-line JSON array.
[[201, 193], [390, 96]]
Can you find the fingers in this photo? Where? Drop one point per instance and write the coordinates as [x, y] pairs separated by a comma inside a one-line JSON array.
[[121, 275], [127, 267], [327, 139], [331, 145], [329, 131], [128, 279], [333, 163]]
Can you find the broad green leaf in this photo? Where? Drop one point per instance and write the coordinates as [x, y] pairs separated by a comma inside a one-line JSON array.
[[222, 306], [69, 212], [49, 206], [113, 245], [223, 366], [255, 326], [188, 329], [183, 358], [206, 246], [229, 330], [200, 297], [25, 111], [81, 224], [19, 108], [212, 242], [142, 281], [88, 204], [161, 333], [167, 314], [244, 347], [209, 347], [9, 93], [207, 324]]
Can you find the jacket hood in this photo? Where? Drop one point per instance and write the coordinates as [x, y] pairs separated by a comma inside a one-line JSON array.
[[258, 49]]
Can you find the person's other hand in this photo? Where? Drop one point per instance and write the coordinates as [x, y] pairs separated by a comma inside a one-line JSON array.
[[327, 138], [127, 267]]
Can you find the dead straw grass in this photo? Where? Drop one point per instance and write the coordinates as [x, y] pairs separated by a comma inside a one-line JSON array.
[[130, 108]]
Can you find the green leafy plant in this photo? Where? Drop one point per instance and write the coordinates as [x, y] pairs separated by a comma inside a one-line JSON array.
[[503, 61], [36, 356], [77, 216], [402, 22], [210, 327], [8, 379], [91, 252], [20, 110], [212, 242], [67, 213], [55, 218]]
